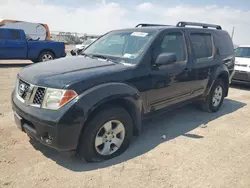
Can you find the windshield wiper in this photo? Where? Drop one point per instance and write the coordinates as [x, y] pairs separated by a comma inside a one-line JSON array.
[[100, 56], [105, 58], [86, 55]]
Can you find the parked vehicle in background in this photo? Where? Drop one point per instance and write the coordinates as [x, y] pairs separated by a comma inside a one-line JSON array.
[[34, 31], [93, 104], [242, 65], [80, 47], [14, 45]]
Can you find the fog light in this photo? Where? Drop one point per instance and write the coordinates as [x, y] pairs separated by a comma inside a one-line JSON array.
[[47, 139]]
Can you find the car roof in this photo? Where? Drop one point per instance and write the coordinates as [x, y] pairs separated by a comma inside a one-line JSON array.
[[11, 29]]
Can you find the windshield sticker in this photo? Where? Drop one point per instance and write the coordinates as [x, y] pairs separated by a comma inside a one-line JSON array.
[[130, 56], [139, 34]]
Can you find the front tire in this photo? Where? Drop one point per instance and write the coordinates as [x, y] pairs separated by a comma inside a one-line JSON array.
[[215, 98], [107, 135]]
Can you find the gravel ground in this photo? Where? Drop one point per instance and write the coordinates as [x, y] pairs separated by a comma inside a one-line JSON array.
[[200, 150]]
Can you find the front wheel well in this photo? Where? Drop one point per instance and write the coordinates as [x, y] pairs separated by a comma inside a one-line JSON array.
[[124, 103], [225, 78]]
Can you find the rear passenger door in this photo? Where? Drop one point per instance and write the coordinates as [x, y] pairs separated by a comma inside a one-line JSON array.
[[203, 51], [16, 46]]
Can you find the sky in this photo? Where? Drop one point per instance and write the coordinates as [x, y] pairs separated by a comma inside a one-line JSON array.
[[101, 16]]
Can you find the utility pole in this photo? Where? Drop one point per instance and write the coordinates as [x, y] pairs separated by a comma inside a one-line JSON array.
[[232, 33]]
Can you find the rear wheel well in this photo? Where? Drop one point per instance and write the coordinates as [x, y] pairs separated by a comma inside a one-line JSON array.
[[47, 50], [224, 77]]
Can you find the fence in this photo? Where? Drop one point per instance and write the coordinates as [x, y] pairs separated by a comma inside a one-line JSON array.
[[70, 37]]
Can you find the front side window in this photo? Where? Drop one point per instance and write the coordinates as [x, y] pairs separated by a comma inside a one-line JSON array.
[[174, 43], [121, 44], [202, 45], [14, 35], [242, 52]]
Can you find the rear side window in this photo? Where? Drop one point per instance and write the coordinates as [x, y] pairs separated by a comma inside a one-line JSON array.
[[174, 43], [14, 35], [202, 45], [1, 34], [224, 42]]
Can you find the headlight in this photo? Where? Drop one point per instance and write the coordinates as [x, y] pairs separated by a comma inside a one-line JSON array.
[[56, 98]]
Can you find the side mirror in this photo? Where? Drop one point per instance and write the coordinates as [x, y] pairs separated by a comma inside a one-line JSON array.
[[165, 59]]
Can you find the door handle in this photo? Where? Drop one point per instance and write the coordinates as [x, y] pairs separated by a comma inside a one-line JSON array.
[[186, 70]]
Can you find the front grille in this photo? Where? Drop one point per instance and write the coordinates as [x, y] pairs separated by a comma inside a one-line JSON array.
[[241, 76], [29, 93], [38, 99], [22, 89]]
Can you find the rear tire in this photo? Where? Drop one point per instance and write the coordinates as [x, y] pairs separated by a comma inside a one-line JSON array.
[[107, 135], [215, 98], [46, 56]]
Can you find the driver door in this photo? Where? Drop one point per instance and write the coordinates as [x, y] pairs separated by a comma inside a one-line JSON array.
[[171, 84]]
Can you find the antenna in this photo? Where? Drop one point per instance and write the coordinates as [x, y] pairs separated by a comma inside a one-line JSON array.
[[232, 33]]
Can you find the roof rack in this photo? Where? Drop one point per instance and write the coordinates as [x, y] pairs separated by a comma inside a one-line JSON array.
[[204, 25], [149, 25]]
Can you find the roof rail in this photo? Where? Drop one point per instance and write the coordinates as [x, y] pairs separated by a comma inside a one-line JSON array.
[[149, 25], [204, 25]]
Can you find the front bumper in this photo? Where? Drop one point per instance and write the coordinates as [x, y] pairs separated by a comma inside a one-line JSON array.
[[57, 129], [241, 77]]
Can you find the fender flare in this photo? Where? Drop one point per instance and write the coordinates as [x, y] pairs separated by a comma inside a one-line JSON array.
[[222, 72], [98, 95]]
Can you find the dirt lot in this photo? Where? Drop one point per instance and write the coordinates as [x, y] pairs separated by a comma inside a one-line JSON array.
[[200, 150]]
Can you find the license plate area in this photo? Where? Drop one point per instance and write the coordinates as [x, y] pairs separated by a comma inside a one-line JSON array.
[[19, 121]]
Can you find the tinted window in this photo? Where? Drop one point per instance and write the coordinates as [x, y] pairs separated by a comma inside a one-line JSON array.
[[1, 34], [14, 35], [242, 52], [223, 40], [174, 43], [202, 45]]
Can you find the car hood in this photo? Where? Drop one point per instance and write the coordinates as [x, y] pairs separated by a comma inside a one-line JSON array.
[[61, 72]]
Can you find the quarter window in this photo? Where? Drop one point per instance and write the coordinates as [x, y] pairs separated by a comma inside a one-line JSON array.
[[202, 45], [14, 35], [174, 43]]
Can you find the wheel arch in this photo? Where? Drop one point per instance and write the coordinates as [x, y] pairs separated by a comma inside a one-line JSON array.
[[225, 78], [221, 73], [47, 50], [105, 95], [125, 103]]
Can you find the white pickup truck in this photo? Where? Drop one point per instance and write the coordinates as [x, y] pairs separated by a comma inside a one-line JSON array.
[[242, 65], [78, 48]]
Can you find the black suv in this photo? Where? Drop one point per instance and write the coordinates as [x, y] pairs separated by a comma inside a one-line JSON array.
[[94, 103]]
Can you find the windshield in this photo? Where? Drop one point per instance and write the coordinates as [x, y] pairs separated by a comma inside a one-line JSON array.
[[242, 52], [87, 42], [121, 45]]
